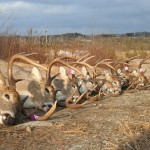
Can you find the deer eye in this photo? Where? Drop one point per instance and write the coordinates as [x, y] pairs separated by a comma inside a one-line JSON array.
[[141, 79], [7, 96], [46, 90], [115, 82], [92, 82]]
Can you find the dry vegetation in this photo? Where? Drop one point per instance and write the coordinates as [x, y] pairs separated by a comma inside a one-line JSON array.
[[102, 47]]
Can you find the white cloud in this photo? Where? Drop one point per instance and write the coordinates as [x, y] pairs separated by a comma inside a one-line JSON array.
[[79, 15], [18, 5], [22, 8]]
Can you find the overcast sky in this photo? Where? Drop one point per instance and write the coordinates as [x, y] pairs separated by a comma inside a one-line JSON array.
[[82, 16]]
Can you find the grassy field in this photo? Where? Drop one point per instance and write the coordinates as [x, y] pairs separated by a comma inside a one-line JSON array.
[[102, 47]]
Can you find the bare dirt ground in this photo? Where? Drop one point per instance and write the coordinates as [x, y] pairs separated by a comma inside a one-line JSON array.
[[114, 123]]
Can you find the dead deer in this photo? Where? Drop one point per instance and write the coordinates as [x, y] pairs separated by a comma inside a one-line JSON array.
[[60, 88], [11, 104], [123, 70], [109, 83], [139, 79], [33, 88]]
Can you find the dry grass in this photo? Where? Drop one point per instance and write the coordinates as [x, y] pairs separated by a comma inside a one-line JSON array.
[[101, 47], [137, 135]]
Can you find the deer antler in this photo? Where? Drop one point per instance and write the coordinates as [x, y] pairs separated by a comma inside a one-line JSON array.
[[131, 58], [88, 58], [49, 113], [68, 57], [82, 58], [125, 61], [75, 105], [103, 62], [86, 65], [11, 79], [49, 78], [143, 62]]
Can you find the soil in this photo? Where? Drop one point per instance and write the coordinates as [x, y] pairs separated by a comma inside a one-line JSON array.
[[113, 123]]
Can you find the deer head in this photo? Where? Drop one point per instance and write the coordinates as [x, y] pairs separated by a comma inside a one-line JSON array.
[[11, 105], [139, 79], [123, 70], [111, 84]]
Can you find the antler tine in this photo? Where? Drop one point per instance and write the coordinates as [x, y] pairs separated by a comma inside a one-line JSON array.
[[26, 54], [49, 113], [49, 78], [30, 54], [86, 65], [131, 58], [67, 57], [103, 60], [86, 92], [83, 57], [22, 53], [85, 60], [11, 80], [124, 63], [109, 61], [116, 62], [104, 63], [75, 105], [142, 62]]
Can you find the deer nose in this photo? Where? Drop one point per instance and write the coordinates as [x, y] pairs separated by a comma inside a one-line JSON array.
[[118, 91], [7, 119]]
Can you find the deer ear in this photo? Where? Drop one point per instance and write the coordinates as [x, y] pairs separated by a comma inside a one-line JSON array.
[[63, 73], [2, 81], [84, 71], [106, 73], [119, 71], [36, 74], [134, 72]]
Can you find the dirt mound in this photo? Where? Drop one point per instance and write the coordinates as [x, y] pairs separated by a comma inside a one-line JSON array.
[[117, 123]]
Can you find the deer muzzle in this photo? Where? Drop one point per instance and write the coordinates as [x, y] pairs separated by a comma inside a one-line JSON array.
[[7, 119]]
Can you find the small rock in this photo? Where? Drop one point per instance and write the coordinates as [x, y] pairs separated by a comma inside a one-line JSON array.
[[76, 147], [142, 115], [28, 129], [100, 105]]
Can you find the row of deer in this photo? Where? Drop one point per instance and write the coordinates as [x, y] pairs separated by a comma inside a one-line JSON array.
[[75, 83]]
